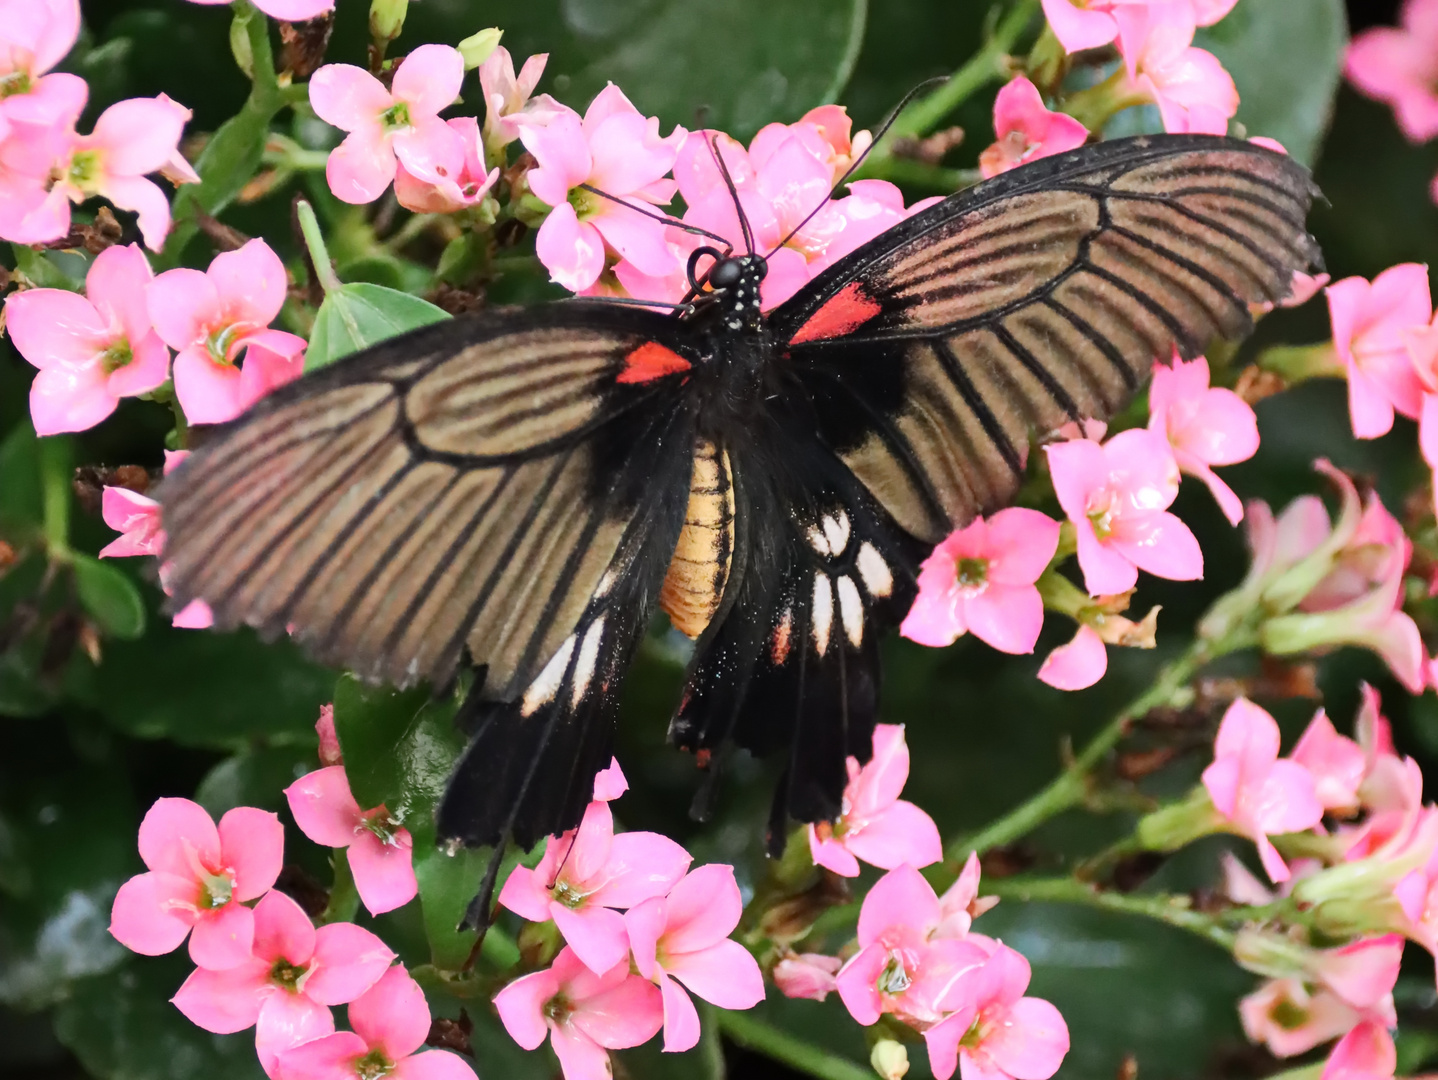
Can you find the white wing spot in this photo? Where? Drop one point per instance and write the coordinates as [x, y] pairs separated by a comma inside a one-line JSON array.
[[818, 540], [542, 690], [851, 610], [588, 655], [875, 572], [836, 528], [823, 611]]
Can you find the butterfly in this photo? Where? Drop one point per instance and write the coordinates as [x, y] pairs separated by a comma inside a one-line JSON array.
[[517, 493]]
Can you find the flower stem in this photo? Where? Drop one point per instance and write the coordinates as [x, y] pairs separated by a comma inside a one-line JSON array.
[[755, 1034], [1070, 788], [1164, 908], [344, 898], [985, 66], [315, 242], [56, 468]]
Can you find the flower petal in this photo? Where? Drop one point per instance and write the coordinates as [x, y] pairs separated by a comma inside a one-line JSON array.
[[725, 974], [1077, 665], [900, 833], [329, 1058], [324, 808], [252, 843], [224, 1002], [283, 931], [521, 1007], [596, 934], [348, 960], [174, 833], [223, 938], [287, 1020], [392, 1014], [383, 871], [153, 912], [348, 97]]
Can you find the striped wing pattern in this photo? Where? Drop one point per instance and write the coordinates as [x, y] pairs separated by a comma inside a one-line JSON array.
[[1040, 297], [460, 490]]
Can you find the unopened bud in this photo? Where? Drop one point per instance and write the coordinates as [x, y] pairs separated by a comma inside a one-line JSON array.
[[1172, 827], [476, 48], [386, 19], [890, 1059]]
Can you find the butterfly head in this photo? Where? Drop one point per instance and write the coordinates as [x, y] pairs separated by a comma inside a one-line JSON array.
[[733, 281]]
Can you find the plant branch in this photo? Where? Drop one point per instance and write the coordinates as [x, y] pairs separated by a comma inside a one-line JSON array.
[[1071, 787], [1164, 908], [755, 1034]]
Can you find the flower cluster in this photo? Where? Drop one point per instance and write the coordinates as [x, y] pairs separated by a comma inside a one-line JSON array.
[[1363, 871], [1161, 65], [994, 577], [1398, 65], [260, 961], [45, 164], [639, 927]]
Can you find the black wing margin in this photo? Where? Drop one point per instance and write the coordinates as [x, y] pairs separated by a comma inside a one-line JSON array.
[[937, 351], [497, 492]]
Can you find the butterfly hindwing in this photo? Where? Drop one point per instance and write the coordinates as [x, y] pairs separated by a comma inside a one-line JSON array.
[[1045, 295]]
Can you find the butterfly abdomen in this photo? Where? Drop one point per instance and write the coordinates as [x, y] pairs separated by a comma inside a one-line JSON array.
[[702, 559]]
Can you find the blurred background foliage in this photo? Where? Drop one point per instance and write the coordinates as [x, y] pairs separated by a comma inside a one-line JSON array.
[[86, 746]]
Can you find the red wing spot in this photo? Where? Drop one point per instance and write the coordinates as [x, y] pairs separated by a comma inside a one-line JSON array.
[[649, 362], [845, 311]]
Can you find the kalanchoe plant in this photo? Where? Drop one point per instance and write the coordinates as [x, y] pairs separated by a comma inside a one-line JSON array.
[[428, 176]]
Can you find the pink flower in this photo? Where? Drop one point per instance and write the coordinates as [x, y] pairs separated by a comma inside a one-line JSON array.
[[831, 140], [460, 166], [1077, 665], [1116, 495], [1259, 794], [1371, 324], [981, 578], [1289, 1018], [588, 872], [685, 937], [1192, 90], [329, 739], [1087, 24], [1400, 66], [1336, 763], [35, 35], [131, 139], [1205, 426], [384, 125], [507, 96], [285, 988], [1362, 973], [1358, 601], [391, 1021], [286, 10], [380, 851], [1027, 130], [582, 1014], [211, 317], [961, 903], [618, 151], [1365, 1053], [137, 517], [993, 1029], [199, 879], [609, 783], [876, 825], [807, 975], [91, 350], [901, 967]]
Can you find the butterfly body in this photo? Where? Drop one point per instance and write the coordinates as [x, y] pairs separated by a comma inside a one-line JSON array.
[[520, 493]]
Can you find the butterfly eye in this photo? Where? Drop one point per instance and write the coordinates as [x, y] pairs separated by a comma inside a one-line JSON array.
[[726, 274]]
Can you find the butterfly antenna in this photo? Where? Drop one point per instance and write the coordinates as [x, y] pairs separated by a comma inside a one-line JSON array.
[[733, 194], [665, 218], [858, 161]]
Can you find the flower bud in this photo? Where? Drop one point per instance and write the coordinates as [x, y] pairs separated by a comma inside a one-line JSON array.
[[890, 1059], [476, 48], [386, 19], [807, 975]]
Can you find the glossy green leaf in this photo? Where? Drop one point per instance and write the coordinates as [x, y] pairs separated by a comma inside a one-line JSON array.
[[736, 65], [447, 883], [110, 597], [46, 269], [1286, 60], [360, 314], [370, 722], [122, 1027]]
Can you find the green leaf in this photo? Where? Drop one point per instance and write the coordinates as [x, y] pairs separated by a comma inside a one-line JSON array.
[[1285, 59], [122, 1027], [358, 315], [738, 65], [254, 778], [447, 883], [202, 688], [110, 597], [44, 268], [370, 722], [21, 504]]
